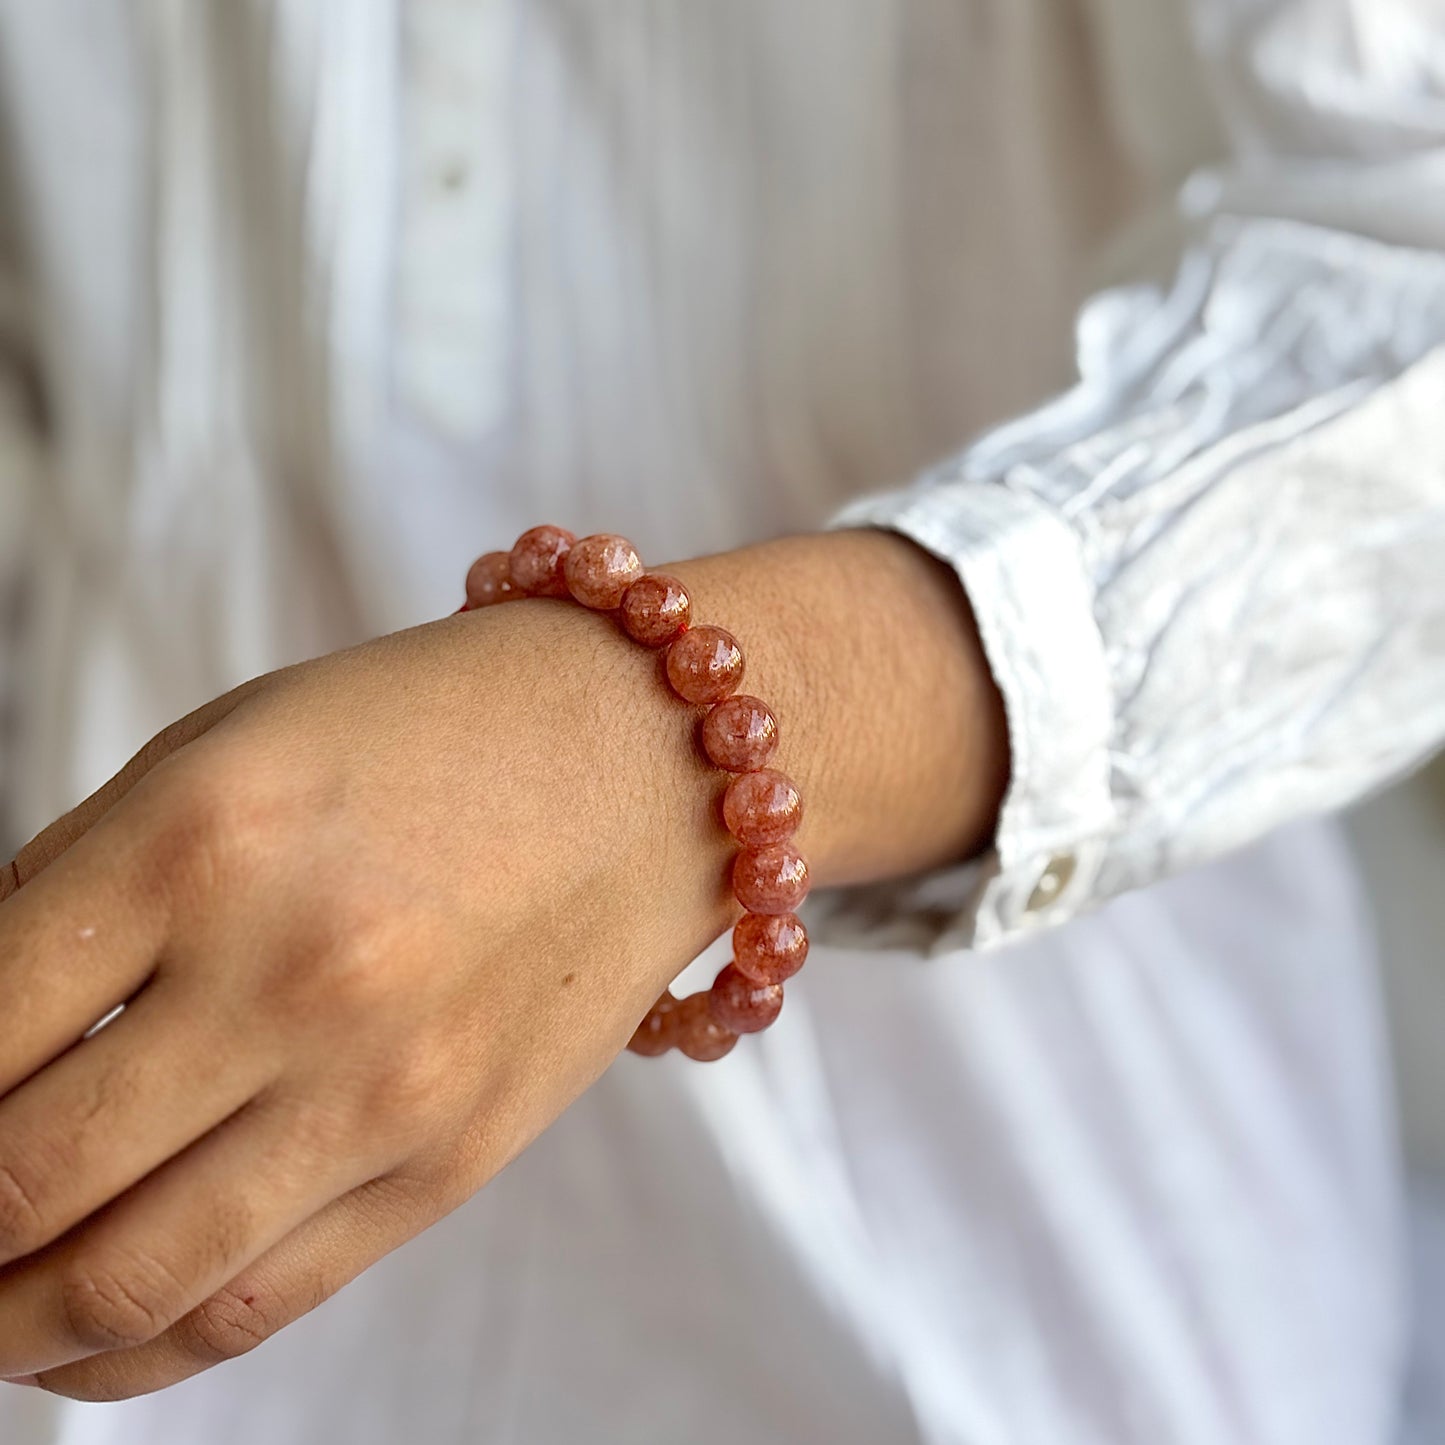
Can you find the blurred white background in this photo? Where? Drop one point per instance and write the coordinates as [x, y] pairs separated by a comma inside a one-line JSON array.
[[1400, 838]]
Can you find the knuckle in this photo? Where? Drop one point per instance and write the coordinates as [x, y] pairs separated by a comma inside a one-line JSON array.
[[206, 835], [352, 959], [347, 966], [37, 1169], [417, 1077], [231, 1322], [115, 1304], [23, 1219], [217, 820]]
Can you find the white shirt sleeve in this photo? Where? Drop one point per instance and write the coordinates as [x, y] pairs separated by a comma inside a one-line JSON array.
[[1210, 579]]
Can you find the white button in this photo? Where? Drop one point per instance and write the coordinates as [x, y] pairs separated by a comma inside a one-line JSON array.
[[1052, 881]]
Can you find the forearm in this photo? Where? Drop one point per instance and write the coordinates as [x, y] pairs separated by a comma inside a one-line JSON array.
[[1208, 578], [865, 646]]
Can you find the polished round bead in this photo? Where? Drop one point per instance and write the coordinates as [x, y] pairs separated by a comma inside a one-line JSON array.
[[699, 1035], [739, 734], [489, 580], [655, 609], [536, 561], [770, 880], [761, 808], [600, 568], [657, 1033], [769, 948], [741, 1005], [705, 664]]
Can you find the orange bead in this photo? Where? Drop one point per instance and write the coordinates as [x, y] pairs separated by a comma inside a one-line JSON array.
[[699, 1035], [536, 561], [657, 1032], [739, 1004], [599, 569], [705, 664], [770, 880], [739, 734], [489, 580], [655, 609], [769, 948], [761, 808]]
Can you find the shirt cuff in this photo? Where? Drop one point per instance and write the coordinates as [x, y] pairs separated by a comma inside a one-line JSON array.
[[1033, 601], [1206, 579]]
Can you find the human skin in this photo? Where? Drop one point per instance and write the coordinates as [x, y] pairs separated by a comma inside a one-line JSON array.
[[380, 917]]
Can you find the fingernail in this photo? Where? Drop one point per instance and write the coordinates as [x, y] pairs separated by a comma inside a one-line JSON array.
[[21, 1380]]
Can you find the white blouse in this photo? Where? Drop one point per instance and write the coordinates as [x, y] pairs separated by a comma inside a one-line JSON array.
[[319, 298]]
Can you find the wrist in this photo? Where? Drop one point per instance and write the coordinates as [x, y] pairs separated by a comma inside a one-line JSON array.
[[614, 764], [892, 726], [865, 649]]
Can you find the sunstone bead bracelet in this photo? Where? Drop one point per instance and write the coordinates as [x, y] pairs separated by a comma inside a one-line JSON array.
[[761, 807]]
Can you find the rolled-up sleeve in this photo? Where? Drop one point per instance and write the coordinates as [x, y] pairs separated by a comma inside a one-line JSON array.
[[1210, 579]]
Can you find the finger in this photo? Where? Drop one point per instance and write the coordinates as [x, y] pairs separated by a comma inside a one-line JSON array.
[[304, 1270], [152, 1256], [75, 943], [115, 1107], [48, 845]]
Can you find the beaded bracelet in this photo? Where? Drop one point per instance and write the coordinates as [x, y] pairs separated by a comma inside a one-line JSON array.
[[761, 807]]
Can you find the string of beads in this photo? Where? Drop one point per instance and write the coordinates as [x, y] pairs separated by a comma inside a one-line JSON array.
[[761, 808]]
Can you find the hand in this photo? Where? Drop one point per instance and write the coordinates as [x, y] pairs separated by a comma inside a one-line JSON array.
[[377, 919]]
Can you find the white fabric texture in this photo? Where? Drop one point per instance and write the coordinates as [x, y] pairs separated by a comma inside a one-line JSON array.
[[1267, 432], [329, 295], [1265, 428]]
